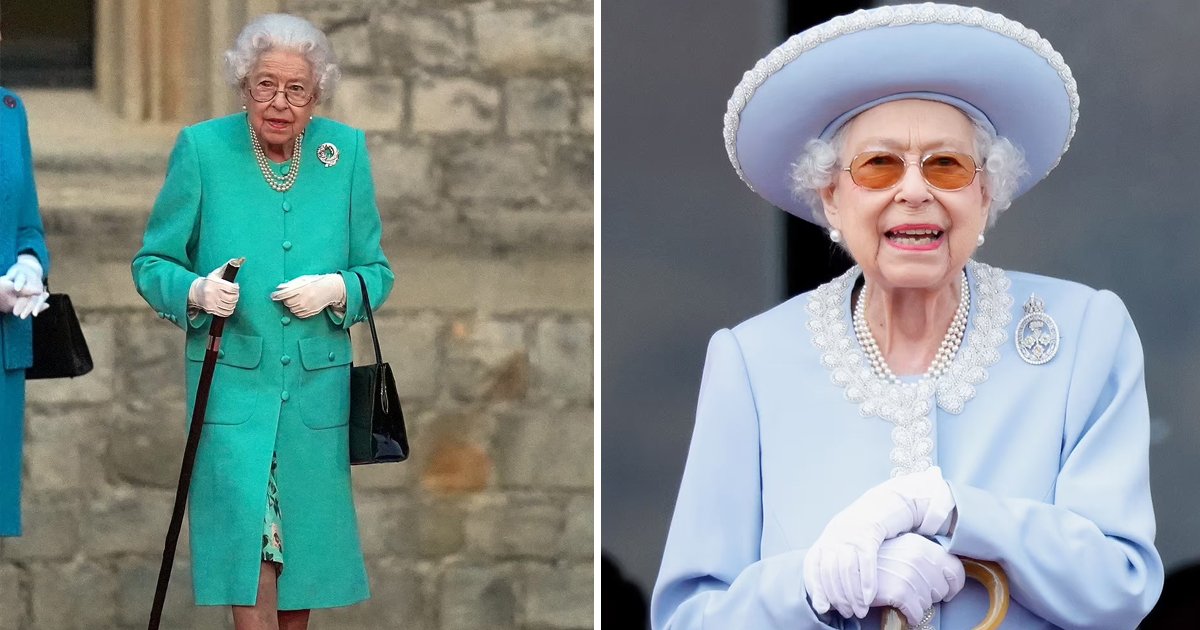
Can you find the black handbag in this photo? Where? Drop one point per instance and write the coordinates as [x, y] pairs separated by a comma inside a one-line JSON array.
[[377, 432], [59, 349]]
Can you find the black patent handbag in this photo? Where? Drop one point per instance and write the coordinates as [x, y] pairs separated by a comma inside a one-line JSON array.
[[59, 349], [377, 431]]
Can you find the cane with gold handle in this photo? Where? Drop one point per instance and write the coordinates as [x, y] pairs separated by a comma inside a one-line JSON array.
[[993, 579]]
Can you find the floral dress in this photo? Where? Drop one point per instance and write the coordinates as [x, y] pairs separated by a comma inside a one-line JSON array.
[[273, 523]]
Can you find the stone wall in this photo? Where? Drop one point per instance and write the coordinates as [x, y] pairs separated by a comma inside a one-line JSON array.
[[479, 119]]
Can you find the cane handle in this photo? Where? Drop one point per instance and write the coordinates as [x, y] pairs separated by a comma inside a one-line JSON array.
[[993, 579], [218, 323], [231, 269]]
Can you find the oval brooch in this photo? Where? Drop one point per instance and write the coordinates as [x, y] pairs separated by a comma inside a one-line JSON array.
[[328, 154], [10, 102], [1037, 333]]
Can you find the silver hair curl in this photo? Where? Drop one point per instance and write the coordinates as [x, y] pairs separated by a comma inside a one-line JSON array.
[[280, 31], [1003, 167]]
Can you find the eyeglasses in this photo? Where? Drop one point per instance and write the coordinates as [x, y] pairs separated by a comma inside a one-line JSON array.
[[944, 170], [295, 93]]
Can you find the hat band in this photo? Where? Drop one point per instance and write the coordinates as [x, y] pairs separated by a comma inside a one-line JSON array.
[[970, 110]]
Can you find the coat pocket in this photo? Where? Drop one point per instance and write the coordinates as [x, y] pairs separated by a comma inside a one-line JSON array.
[[242, 351], [325, 381], [232, 398]]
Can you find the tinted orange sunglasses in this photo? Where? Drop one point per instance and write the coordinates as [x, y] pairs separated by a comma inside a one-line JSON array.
[[943, 170]]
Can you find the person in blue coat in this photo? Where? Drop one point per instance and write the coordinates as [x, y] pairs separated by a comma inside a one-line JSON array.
[[854, 443], [22, 295]]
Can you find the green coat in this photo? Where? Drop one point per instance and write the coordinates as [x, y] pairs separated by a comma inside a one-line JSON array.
[[281, 383]]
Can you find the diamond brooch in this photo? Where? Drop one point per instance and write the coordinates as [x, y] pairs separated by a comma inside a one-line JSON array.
[[328, 154], [1037, 333]]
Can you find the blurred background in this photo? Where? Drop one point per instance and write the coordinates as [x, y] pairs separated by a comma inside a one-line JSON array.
[[688, 249], [479, 120]]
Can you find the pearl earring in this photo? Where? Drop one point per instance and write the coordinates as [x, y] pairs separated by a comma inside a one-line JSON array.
[[979, 240], [835, 235]]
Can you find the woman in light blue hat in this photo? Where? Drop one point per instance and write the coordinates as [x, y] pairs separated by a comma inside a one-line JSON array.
[[853, 443]]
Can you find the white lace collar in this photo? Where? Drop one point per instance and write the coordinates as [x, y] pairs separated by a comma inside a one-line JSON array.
[[908, 404]]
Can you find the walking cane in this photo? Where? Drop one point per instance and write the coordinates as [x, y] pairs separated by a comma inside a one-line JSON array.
[[987, 573], [189, 452]]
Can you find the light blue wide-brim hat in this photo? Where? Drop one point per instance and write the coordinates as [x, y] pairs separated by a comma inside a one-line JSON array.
[[994, 69]]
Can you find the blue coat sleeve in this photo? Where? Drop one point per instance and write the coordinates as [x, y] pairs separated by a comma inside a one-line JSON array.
[[30, 235], [712, 575], [1084, 557]]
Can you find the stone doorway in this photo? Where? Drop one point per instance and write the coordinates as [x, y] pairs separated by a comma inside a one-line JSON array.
[[48, 48], [146, 60], [157, 60]]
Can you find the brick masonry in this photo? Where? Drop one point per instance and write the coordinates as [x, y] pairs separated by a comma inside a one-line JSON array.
[[479, 119]]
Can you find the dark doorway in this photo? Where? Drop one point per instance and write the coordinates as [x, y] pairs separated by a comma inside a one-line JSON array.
[[47, 44], [811, 258]]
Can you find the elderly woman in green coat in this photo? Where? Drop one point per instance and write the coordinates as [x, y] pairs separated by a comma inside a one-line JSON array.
[[273, 529]]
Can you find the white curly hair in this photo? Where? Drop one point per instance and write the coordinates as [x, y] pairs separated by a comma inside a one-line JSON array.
[[1003, 167], [282, 31]]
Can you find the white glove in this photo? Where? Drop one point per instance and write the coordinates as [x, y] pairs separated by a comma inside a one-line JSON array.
[[306, 296], [840, 567], [31, 305], [19, 304], [26, 275], [914, 574], [8, 296], [213, 295]]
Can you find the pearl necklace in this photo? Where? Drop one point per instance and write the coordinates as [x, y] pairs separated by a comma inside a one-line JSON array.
[[279, 184], [945, 353]]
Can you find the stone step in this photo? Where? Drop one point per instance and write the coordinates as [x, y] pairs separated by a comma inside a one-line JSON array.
[[94, 214], [131, 160], [107, 193], [97, 175], [92, 139]]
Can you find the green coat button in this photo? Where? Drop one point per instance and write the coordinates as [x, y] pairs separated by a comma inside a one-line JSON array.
[[285, 359], [285, 320], [287, 206], [284, 395], [331, 356], [221, 353], [287, 245]]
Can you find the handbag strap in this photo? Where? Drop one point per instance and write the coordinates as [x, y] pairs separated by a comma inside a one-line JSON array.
[[370, 318]]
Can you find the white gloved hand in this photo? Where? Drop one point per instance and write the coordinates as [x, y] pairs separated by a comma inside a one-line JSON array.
[[306, 296], [8, 295], [914, 574], [19, 304], [31, 305], [840, 567], [26, 275], [213, 295]]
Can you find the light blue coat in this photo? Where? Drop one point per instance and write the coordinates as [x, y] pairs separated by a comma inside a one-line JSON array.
[[1048, 465], [20, 232]]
